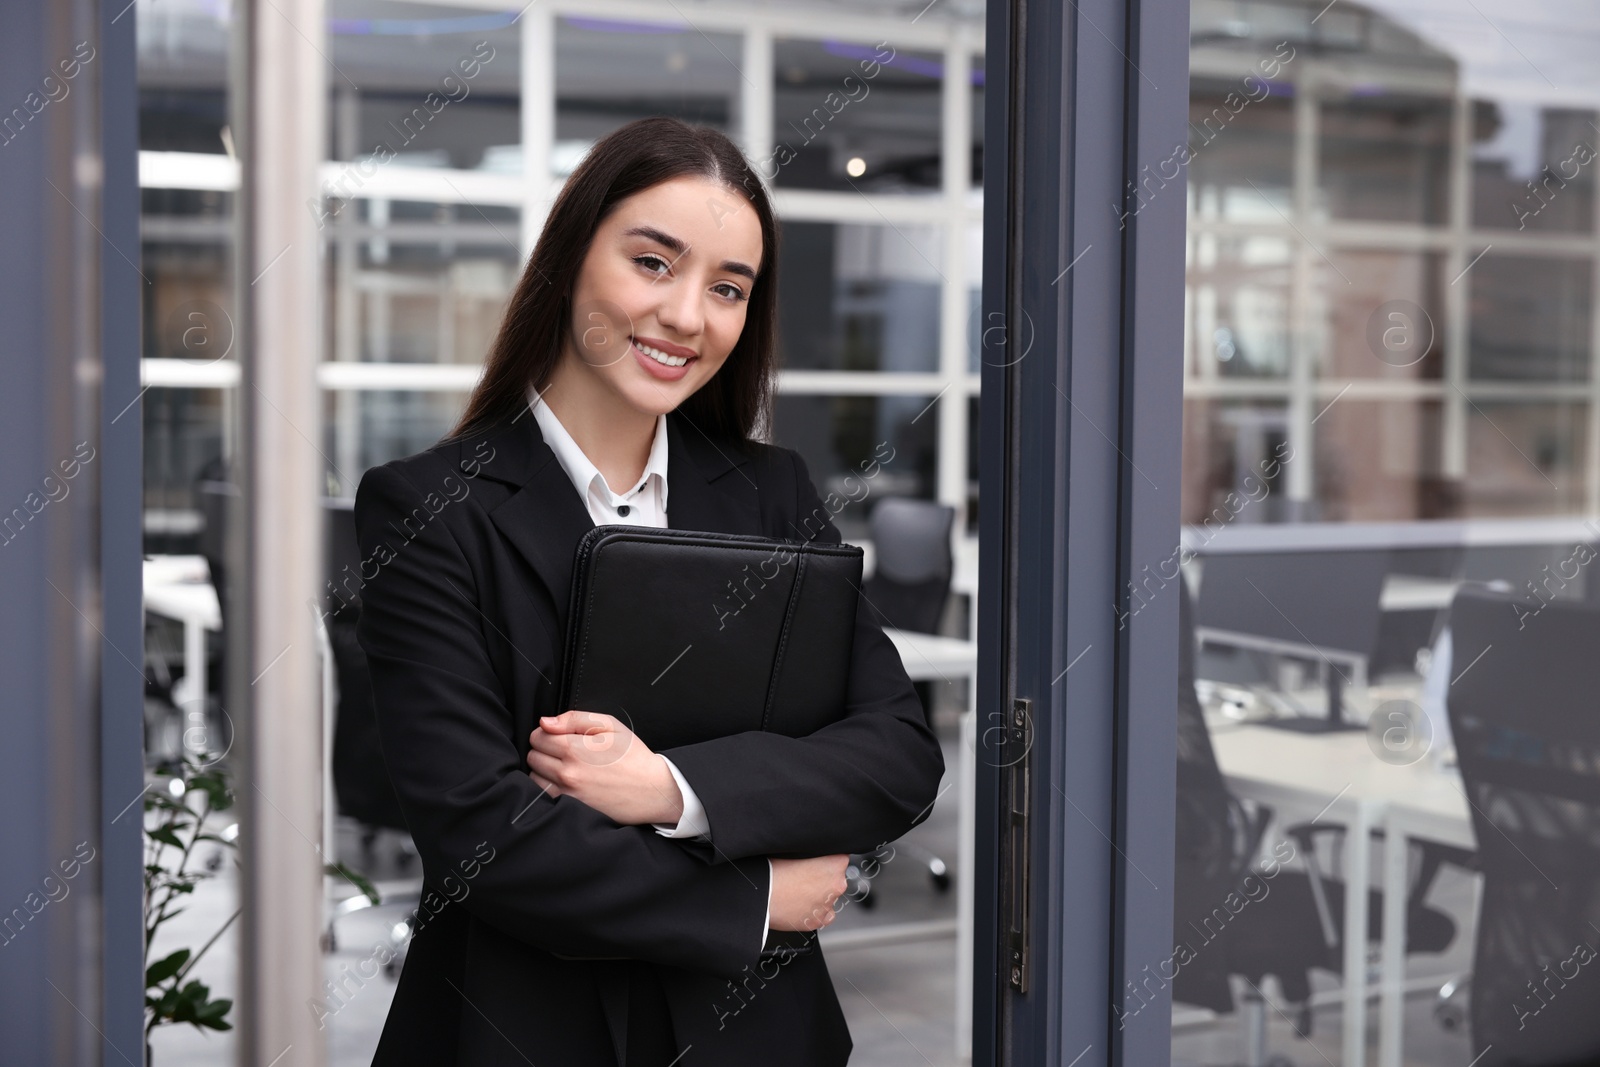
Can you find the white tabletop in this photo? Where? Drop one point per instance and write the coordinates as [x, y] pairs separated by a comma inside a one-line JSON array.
[[179, 587], [1410, 592], [1281, 766], [929, 657]]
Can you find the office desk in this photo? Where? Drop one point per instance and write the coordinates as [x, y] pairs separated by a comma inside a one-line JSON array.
[[1409, 592], [179, 588], [1341, 771], [928, 657]]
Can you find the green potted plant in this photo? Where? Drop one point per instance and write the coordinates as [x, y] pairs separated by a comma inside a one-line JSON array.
[[184, 797], [183, 802]]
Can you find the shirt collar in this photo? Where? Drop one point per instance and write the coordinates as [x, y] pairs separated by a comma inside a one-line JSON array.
[[583, 473]]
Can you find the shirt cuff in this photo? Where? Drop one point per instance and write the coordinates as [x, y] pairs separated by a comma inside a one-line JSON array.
[[692, 823], [766, 925]]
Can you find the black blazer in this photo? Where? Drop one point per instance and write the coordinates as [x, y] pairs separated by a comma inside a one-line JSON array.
[[535, 907]]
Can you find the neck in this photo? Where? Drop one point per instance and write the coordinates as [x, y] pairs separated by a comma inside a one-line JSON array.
[[615, 435]]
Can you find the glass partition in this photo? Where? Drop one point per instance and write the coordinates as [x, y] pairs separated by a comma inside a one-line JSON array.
[[861, 445], [855, 114], [1387, 839], [859, 298], [423, 215], [611, 70]]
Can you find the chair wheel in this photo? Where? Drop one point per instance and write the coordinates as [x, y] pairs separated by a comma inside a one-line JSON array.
[[941, 881], [1451, 1007], [330, 942], [396, 964], [868, 900]]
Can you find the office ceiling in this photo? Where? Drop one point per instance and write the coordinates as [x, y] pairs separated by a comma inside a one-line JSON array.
[[1535, 50]]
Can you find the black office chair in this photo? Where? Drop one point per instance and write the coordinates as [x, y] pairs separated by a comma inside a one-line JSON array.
[[907, 590], [1527, 736], [361, 785], [215, 494], [910, 579], [1296, 924]]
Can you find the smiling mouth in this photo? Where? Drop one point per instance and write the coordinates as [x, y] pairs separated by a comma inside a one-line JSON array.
[[660, 356]]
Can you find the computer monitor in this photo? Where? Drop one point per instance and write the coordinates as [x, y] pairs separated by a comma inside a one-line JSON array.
[[1322, 605]]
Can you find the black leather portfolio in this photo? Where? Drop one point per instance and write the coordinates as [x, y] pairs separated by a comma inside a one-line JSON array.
[[690, 635]]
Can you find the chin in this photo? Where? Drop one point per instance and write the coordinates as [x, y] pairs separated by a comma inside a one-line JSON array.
[[656, 398]]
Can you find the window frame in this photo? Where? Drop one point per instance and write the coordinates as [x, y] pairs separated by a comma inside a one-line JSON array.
[[1089, 394]]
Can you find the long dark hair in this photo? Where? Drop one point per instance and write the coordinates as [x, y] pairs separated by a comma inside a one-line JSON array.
[[626, 161]]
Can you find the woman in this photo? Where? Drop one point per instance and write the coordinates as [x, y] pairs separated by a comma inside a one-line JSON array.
[[591, 902]]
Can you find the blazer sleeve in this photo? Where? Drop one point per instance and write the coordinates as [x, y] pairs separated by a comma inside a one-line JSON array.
[[857, 783], [556, 874]]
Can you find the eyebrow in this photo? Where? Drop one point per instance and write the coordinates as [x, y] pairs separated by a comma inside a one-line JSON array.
[[732, 266]]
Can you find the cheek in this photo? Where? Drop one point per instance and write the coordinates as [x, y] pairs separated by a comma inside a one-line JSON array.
[[727, 331], [615, 291]]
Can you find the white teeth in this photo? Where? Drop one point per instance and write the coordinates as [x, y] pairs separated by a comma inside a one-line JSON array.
[[659, 356]]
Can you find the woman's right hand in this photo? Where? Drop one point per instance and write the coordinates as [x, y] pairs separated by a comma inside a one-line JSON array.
[[803, 891]]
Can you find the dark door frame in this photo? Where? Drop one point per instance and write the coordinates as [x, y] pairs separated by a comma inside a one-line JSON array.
[[1084, 194], [71, 498]]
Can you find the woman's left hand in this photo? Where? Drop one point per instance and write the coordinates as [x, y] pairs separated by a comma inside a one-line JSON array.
[[595, 758]]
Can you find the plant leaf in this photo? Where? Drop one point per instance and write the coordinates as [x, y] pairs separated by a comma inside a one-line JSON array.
[[358, 879], [215, 787], [165, 835], [163, 969], [211, 1014]]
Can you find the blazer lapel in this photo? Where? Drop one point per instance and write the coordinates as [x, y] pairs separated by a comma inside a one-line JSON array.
[[708, 488], [545, 517]]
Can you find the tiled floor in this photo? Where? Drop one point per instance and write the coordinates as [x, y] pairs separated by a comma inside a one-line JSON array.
[[1427, 1044]]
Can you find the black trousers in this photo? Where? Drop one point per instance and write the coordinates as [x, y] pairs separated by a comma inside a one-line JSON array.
[[650, 1037]]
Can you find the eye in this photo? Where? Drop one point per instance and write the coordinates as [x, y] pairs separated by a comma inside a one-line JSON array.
[[647, 259], [732, 292]]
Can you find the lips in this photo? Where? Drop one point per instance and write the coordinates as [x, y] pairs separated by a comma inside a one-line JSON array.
[[665, 352], [661, 363]]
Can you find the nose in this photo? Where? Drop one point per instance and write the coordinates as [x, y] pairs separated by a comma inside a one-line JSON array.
[[680, 308]]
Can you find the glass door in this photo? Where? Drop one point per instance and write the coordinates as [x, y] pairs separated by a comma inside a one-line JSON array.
[[1386, 815]]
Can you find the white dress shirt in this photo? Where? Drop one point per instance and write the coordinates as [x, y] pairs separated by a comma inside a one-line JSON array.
[[644, 504]]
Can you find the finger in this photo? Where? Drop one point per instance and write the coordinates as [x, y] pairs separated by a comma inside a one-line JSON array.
[[574, 721], [556, 724], [600, 746], [549, 787], [558, 745], [595, 722], [547, 766]]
